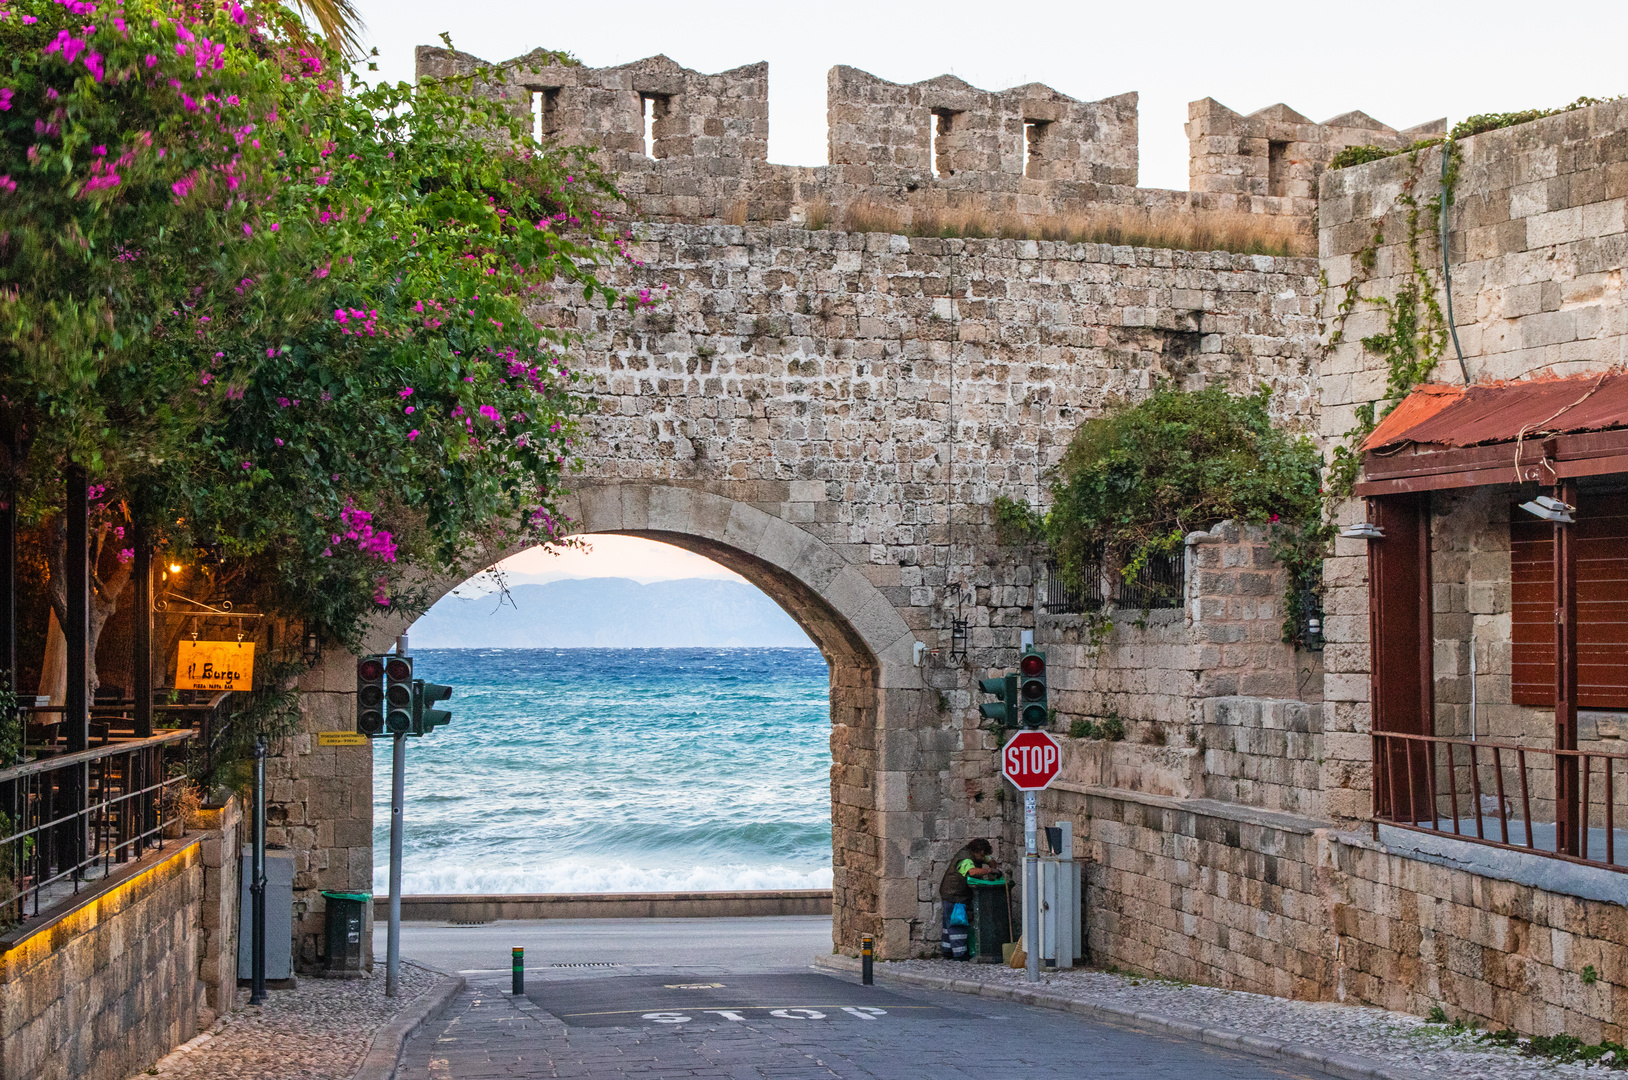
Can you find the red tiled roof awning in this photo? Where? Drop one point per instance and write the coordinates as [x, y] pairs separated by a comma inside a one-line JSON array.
[[1542, 430]]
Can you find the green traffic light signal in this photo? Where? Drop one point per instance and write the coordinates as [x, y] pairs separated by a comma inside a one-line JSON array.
[[1004, 711], [426, 719]]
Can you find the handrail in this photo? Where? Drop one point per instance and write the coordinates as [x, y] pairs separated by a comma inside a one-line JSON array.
[[1406, 796], [1460, 740], [39, 765]]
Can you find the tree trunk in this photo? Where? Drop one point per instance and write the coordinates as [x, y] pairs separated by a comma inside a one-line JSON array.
[[104, 602]]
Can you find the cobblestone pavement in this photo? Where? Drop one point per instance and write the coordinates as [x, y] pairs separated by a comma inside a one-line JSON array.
[[1406, 1043], [789, 1026], [320, 1030]]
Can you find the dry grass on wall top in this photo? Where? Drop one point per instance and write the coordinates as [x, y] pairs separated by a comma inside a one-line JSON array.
[[1131, 226]]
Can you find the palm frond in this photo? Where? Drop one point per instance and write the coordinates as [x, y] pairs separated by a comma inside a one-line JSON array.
[[340, 21]]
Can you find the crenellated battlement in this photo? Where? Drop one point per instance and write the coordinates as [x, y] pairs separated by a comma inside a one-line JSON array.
[[687, 146]]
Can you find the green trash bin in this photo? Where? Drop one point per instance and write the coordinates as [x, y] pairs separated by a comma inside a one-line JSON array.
[[343, 924], [991, 926]]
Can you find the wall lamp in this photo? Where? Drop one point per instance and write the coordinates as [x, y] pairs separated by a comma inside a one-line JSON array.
[[1363, 530], [1550, 509]]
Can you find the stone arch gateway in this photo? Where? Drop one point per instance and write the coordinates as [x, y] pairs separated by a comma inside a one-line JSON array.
[[876, 702]]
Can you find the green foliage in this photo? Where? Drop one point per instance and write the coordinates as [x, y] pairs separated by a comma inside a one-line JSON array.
[[1111, 728], [1436, 1015], [1358, 155], [288, 324], [1135, 481], [1589, 975], [1016, 522], [11, 723]]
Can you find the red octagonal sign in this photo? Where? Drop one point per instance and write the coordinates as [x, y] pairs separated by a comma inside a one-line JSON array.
[[1031, 760]]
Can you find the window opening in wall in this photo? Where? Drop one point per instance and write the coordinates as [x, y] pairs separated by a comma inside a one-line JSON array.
[[655, 108], [1277, 168], [1034, 136], [938, 151], [545, 103]]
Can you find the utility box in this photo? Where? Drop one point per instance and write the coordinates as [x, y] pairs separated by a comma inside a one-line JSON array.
[[344, 925], [279, 916], [1061, 942]]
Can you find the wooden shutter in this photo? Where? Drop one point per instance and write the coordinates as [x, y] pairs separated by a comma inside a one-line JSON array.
[[1602, 605]]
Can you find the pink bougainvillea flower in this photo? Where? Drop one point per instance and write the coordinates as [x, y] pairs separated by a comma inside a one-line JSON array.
[[5, 98], [405, 392], [126, 554], [279, 442], [7, 184], [409, 410], [247, 465], [411, 435]]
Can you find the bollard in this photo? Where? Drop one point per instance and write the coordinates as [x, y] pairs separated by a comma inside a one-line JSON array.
[[519, 970], [866, 948]]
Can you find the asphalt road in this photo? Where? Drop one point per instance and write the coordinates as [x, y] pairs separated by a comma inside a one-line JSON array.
[[736, 999]]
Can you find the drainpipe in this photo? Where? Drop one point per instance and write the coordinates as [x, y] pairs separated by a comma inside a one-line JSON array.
[[1446, 264]]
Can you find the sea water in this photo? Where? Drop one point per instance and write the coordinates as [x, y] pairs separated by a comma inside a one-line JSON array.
[[615, 770]]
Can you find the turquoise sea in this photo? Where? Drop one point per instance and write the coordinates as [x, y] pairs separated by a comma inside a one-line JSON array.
[[616, 770]]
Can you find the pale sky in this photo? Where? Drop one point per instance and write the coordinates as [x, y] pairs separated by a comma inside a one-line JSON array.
[[1402, 63], [603, 556]]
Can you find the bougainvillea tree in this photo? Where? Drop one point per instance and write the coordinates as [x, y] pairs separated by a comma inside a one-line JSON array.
[[281, 314]]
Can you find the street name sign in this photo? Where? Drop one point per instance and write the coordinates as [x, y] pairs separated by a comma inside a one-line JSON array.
[[341, 738], [1031, 760]]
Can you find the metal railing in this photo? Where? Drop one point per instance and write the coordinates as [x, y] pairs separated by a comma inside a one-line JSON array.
[[1503, 794], [72, 818], [1159, 583]]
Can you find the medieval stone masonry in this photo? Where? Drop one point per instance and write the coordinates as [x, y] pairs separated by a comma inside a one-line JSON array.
[[832, 412]]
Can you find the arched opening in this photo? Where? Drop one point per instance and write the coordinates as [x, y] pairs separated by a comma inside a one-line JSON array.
[[632, 717], [876, 702]]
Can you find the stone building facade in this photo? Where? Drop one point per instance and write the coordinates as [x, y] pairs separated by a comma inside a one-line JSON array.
[[832, 413]]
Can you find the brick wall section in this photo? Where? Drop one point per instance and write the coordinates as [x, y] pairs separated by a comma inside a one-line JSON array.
[[112, 987], [1213, 676], [1538, 243], [1228, 896]]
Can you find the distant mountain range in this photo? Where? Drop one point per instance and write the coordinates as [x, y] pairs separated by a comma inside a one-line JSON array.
[[611, 613]]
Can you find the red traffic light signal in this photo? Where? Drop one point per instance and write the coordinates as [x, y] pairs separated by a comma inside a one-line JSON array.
[[398, 673], [1036, 707]]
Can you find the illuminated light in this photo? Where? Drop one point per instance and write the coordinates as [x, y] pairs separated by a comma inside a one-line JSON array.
[[175, 568]]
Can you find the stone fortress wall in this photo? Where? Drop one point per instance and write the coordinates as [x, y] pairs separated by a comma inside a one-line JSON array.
[[832, 413], [917, 152]]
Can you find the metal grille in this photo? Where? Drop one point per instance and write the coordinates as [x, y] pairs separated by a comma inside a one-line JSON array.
[[76, 817], [1159, 584]]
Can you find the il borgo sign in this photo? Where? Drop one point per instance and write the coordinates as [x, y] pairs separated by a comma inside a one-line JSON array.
[[1031, 760]]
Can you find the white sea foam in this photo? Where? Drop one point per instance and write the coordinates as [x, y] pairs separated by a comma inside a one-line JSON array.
[[578, 876]]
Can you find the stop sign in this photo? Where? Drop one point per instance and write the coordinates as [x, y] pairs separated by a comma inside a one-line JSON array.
[[1031, 760]]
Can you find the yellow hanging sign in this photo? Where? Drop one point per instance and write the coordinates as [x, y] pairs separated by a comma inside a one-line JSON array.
[[215, 665]]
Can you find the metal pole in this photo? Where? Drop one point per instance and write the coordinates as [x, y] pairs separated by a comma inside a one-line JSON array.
[[1031, 890], [392, 954], [517, 970], [257, 883], [867, 947]]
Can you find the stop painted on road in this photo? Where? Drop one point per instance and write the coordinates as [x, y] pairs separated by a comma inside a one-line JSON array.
[[862, 1012]]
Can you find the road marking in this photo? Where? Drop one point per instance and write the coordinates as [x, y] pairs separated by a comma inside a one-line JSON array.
[[728, 1014], [757, 1008], [692, 986], [807, 1014], [864, 1012], [667, 1017]]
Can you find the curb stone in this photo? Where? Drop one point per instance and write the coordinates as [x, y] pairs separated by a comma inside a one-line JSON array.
[[385, 1054], [1345, 1066]]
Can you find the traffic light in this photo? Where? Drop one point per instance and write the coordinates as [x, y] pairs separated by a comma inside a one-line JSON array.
[[426, 719], [1032, 671], [1004, 711], [398, 695], [370, 696]]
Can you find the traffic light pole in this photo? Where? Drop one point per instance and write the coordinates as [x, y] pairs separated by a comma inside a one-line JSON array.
[[392, 954], [1031, 889]]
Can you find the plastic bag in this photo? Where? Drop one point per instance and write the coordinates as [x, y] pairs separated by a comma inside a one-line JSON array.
[[958, 915]]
